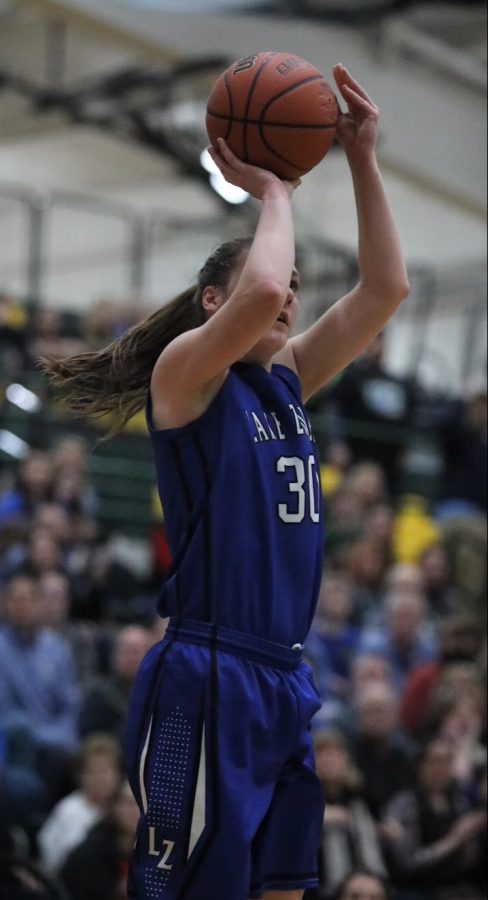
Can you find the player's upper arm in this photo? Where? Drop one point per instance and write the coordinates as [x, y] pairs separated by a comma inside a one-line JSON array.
[[197, 357], [340, 336]]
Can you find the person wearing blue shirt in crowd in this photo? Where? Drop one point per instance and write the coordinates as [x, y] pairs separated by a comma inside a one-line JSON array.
[[39, 692], [33, 486], [332, 642], [405, 638]]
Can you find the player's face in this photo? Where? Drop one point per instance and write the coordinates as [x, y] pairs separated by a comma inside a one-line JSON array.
[[277, 336]]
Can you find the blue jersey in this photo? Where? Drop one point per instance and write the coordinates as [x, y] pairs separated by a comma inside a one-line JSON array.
[[240, 490]]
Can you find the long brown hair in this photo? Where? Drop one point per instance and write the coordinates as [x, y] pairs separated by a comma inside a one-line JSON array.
[[114, 381]]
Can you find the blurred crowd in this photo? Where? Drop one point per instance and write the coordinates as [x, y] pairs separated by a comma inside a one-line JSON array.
[[398, 646]]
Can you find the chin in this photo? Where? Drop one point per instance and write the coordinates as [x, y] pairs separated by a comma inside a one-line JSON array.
[[269, 345], [278, 339]]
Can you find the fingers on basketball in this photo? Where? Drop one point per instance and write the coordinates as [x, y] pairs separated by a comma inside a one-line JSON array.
[[230, 158], [344, 79]]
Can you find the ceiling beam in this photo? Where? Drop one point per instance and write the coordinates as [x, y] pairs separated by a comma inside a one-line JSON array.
[[103, 27], [432, 187]]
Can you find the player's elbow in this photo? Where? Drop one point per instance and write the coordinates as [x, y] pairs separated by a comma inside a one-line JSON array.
[[272, 294], [394, 292], [403, 289]]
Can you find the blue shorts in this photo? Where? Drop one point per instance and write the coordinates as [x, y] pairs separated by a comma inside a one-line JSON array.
[[220, 760]]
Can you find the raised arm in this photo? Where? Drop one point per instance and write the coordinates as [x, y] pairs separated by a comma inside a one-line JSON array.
[[343, 332], [239, 316]]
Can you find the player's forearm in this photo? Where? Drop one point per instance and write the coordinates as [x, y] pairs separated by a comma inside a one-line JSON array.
[[381, 263], [272, 254]]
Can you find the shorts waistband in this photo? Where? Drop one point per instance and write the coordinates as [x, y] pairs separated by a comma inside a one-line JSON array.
[[257, 649]]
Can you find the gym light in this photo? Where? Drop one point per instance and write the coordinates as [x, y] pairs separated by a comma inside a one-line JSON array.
[[13, 445], [228, 192], [23, 398]]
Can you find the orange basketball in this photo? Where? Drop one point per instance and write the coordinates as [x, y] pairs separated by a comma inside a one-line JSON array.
[[275, 111]]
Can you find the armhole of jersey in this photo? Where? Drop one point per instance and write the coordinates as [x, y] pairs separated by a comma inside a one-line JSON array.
[[290, 378], [194, 425]]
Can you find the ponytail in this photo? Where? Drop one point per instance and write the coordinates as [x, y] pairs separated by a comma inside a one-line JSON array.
[[114, 381]]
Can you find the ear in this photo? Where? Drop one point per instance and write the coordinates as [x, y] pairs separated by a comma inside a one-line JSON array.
[[212, 299]]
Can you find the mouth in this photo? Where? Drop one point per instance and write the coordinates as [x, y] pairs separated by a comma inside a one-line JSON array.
[[283, 318]]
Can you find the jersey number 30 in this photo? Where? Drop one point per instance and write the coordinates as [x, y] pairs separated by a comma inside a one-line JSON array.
[[305, 489]]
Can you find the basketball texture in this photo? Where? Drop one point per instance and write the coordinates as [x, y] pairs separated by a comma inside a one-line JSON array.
[[275, 111]]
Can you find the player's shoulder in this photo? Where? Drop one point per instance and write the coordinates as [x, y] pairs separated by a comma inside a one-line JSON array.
[[286, 358]]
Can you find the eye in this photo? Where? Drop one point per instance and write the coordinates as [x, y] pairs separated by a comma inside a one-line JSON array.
[[294, 285]]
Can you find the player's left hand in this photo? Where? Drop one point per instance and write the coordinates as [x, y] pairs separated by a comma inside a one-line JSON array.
[[357, 129]]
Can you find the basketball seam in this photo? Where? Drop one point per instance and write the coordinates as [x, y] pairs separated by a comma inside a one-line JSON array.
[[262, 122], [231, 107], [289, 90], [215, 115], [249, 99], [275, 152]]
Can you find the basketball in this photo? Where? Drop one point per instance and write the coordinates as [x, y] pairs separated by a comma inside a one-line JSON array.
[[275, 111]]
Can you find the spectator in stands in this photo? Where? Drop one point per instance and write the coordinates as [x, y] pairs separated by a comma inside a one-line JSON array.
[[434, 833], [364, 562], [20, 878], [365, 669], [414, 529], [335, 461], [33, 486], [102, 324], [70, 456], [380, 750], [111, 576], [43, 553], [368, 667], [13, 536], [332, 641], [459, 641], [373, 411], [366, 482], [51, 517], [480, 800], [13, 346], [458, 711], [398, 578], [466, 541], [464, 446], [77, 537], [378, 525], [363, 885], [105, 704], [86, 640], [22, 791], [404, 638], [49, 338], [349, 839], [72, 818], [98, 867], [407, 578], [344, 524], [436, 569], [39, 692]]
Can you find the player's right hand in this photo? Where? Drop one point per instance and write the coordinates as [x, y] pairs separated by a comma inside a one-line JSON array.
[[249, 178]]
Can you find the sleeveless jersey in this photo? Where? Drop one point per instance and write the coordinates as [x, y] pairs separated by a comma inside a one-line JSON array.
[[240, 490]]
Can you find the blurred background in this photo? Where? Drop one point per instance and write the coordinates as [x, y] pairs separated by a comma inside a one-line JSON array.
[[107, 210]]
